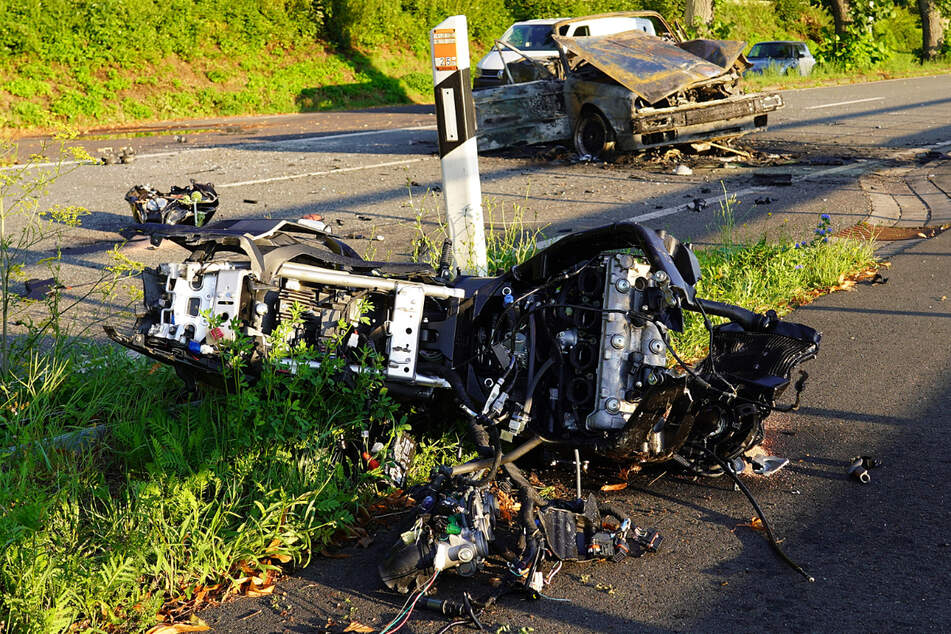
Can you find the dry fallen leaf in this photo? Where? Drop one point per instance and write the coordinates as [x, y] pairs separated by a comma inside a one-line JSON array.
[[259, 592], [356, 626], [197, 625], [614, 487], [755, 523]]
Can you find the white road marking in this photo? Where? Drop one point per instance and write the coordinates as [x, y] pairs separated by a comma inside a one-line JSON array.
[[346, 135], [310, 140], [844, 103], [323, 173], [137, 156]]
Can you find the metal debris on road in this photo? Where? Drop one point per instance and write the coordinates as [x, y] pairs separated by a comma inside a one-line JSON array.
[[859, 468], [193, 204]]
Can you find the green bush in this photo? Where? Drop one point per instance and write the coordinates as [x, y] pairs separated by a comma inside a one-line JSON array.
[[26, 87], [29, 114]]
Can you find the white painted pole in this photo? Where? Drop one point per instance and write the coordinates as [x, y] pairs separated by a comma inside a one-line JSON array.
[[456, 123]]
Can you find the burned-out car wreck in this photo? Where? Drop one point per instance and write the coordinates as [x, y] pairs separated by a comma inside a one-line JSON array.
[[626, 91], [568, 353]]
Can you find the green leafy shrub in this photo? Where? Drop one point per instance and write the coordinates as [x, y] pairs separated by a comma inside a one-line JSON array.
[[26, 87], [856, 49]]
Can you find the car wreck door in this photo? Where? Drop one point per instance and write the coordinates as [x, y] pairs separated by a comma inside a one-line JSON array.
[[521, 114]]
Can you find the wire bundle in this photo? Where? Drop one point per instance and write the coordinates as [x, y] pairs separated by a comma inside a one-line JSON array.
[[403, 617]]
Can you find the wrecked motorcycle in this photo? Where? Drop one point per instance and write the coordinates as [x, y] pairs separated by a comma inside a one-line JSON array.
[[569, 350]]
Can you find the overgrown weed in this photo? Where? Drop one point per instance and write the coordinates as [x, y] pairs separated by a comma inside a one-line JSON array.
[[511, 237]]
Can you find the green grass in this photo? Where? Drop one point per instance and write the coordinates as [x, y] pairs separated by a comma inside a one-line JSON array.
[[179, 497]]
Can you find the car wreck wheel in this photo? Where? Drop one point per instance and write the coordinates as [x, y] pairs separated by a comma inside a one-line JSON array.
[[593, 135]]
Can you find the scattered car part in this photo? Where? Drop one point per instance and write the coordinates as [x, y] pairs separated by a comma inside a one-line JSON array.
[[627, 91], [194, 204]]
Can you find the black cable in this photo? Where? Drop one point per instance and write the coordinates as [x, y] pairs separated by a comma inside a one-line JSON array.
[[769, 531], [710, 356], [524, 485], [689, 370], [496, 459], [530, 393], [472, 615]]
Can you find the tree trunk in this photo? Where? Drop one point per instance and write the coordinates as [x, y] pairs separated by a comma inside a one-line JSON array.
[[841, 15], [931, 29], [699, 11]]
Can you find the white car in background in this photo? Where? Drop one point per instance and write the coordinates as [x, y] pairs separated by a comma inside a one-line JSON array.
[[532, 40], [784, 58]]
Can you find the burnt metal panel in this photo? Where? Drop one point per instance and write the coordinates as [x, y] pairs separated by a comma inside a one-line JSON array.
[[521, 114], [695, 114], [649, 66], [723, 53]]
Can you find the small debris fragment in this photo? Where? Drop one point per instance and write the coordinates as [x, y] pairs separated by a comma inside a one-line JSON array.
[[250, 201], [380, 238], [859, 467], [38, 289], [126, 155], [682, 170], [765, 200], [697, 205], [768, 465]]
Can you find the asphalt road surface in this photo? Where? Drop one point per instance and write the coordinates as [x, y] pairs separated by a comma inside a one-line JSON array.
[[880, 552]]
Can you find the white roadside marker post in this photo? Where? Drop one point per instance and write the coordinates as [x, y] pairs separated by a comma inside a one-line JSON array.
[[456, 125]]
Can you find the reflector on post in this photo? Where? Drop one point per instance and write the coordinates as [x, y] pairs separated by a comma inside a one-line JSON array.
[[455, 120]]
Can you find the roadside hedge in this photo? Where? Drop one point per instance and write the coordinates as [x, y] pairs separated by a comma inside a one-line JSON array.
[[112, 62]]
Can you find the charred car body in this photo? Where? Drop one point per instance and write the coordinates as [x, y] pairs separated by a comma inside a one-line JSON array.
[[569, 350], [625, 91]]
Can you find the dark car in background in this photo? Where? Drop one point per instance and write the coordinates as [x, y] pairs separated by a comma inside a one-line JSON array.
[[781, 57]]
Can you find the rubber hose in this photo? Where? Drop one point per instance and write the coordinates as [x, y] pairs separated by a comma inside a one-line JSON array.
[[512, 456]]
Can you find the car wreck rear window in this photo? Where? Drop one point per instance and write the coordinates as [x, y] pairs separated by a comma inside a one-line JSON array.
[[530, 37]]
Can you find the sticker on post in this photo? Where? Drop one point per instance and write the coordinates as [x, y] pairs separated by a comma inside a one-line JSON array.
[[444, 49]]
